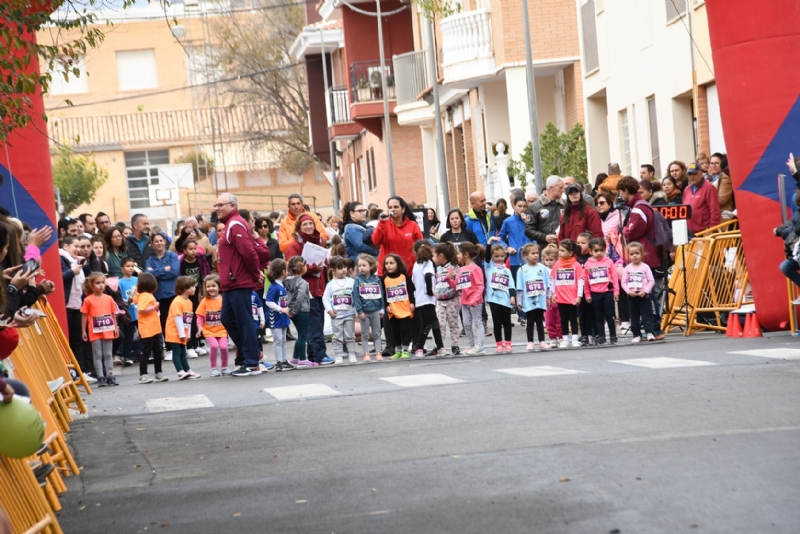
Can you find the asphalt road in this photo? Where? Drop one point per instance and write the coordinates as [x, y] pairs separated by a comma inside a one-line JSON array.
[[576, 441]]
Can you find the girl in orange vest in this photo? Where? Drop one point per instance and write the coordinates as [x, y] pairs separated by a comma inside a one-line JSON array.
[[399, 291]]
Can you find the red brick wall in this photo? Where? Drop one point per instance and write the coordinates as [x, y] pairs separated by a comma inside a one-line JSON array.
[[704, 140], [554, 30], [573, 94]]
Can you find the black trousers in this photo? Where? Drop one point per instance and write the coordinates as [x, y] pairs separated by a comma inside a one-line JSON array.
[[501, 317], [429, 321], [569, 319], [624, 307], [401, 332], [80, 348], [604, 313], [151, 345], [642, 316], [535, 317], [588, 325]]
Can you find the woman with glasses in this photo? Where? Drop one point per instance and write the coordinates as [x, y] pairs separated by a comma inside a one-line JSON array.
[[266, 230], [355, 231]]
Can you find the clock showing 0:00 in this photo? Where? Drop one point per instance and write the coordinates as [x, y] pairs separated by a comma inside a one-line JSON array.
[[675, 212]]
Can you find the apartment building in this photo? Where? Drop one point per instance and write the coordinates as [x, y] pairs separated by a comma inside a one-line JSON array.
[[143, 101], [640, 103]]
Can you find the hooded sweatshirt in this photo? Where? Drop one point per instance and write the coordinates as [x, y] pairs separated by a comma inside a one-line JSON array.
[[601, 276], [399, 240]]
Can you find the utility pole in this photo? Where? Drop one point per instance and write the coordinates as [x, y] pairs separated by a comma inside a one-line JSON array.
[[695, 131], [437, 112], [331, 147], [533, 113], [387, 128]]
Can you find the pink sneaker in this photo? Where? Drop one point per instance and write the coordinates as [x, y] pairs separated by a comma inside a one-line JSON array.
[[499, 347], [367, 357], [543, 345], [306, 363], [182, 375], [192, 374], [295, 362], [378, 357], [509, 348], [529, 346]]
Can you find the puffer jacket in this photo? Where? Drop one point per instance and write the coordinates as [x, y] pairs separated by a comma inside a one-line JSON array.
[[238, 264]]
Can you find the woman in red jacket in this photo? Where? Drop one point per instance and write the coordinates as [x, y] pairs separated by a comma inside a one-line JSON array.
[[578, 216], [316, 276], [396, 233]]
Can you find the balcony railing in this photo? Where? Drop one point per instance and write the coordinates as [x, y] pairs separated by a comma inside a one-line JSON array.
[[338, 105], [366, 81], [467, 49], [411, 76]]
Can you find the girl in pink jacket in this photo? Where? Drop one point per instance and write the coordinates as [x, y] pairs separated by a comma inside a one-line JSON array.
[[637, 282], [471, 285], [602, 289], [569, 280]]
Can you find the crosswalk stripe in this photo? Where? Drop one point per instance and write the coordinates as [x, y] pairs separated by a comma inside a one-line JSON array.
[[780, 354], [542, 370], [303, 391], [412, 381], [663, 363], [173, 404]]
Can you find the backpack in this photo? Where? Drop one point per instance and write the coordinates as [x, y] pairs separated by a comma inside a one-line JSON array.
[[662, 232]]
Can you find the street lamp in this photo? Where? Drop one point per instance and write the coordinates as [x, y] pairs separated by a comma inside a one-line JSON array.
[[386, 125], [533, 115]]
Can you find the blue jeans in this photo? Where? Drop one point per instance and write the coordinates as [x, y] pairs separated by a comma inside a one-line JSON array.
[[237, 318], [316, 339], [789, 268]]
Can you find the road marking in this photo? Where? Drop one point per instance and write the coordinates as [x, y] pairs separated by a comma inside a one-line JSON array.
[[663, 363], [304, 391], [173, 404], [780, 354], [413, 381], [542, 370]]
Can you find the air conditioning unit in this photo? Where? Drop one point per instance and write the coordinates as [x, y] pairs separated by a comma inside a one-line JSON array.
[[178, 31]]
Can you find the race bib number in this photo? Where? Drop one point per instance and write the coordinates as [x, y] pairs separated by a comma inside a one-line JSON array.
[[499, 281], [254, 311], [397, 293], [283, 302], [534, 288], [370, 291], [598, 275], [441, 282], [342, 300], [214, 318], [187, 318], [635, 280], [103, 323], [464, 280], [565, 277]]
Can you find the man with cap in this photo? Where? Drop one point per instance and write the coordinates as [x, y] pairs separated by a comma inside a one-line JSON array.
[[704, 200]]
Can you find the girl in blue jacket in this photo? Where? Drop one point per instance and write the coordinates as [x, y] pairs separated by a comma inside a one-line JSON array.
[[533, 286], [512, 236], [500, 296]]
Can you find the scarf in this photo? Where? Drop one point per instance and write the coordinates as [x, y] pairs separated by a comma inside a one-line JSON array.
[[566, 263], [313, 237]]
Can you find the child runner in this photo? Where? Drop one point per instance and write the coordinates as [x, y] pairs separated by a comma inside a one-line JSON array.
[[568, 277], [399, 290], [194, 265], [500, 291], [586, 310], [552, 317], [369, 301], [278, 319], [299, 306], [149, 327], [338, 303], [448, 301], [100, 314], [637, 282], [179, 322], [533, 285], [603, 289], [470, 284], [127, 289], [425, 299], [209, 325], [512, 233]]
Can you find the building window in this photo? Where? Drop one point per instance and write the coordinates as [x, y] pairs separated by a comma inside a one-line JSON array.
[[655, 152], [75, 85], [201, 68], [625, 141], [675, 8], [136, 70], [141, 169], [591, 57], [371, 155]]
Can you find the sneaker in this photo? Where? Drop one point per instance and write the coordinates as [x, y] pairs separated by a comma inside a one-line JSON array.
[[283, 366], [247, 371], [192, 374], [479, 350], [53, 385], [470, 351], [404, 355], [577, 343], [614, 340], [651, 337], [231, 344], [625, 327], [637, 339], [600, 341], [379, 357], [660, 336], [290, 337], [183, 375], [215, 373], [455, 349], [419, 354], [294, 361], [226, 372], [327, 360], [111, 381], [368, 358], [117, 360], [509, 347], [563, 344], [499, 347], [265, 367], [395, 356], [145, 379], [161, 378], [101, 382], [306, 363], [352, 358], [583, 341], [443, 352], [191, 353], [554, 344], [168, 356], [592, 341], [201, 351], [127, 362], [487, 332], [339, 360], [529, 346], [543, 345]]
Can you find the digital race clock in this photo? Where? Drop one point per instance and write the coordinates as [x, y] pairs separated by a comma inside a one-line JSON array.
[[675, 212]]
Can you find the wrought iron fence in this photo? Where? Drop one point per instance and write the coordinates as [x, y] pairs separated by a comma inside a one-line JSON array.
[[366, 81]]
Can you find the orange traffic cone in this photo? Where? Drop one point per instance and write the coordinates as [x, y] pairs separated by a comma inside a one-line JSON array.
[[751, 326], [734, 328]]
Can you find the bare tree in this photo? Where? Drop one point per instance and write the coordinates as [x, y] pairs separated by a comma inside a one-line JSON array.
[[252, 48]]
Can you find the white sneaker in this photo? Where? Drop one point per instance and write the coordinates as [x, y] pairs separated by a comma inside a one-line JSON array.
[[576, 343], [553, 343], [118, 360], [201, 351], [145, 379], [168, 356], [651, 337], [636, 340], [90, 379], [191, 353], [563, 344], [624, 327], [339, 361], [53, 385], [352, 359]]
